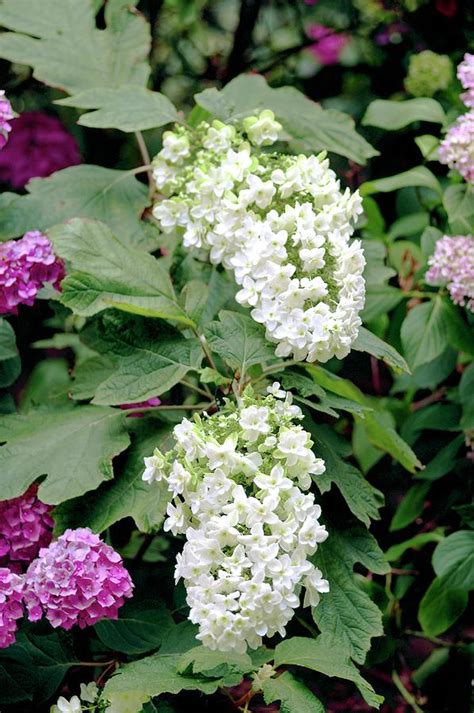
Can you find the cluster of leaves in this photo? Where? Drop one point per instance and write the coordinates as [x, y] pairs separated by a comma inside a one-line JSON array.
[[139, 318]]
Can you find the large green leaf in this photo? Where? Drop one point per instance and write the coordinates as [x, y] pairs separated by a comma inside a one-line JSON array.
[[393, 115], [10, 364], [466, 390], [380, 296], [73, 447], [142, 626], [379, 434], [346, 611], [324, 655], [127, 495], [228, 666], [293, 695], [39, 660], [419, 176], [410, 507], [239, 340], [441, 606], [370, 343], [310, 127], [149, 358], [59, 39], [459, 203], [114, 197], [453, 560], [128, 108], [106, 273], [424, 332], [362, 498]]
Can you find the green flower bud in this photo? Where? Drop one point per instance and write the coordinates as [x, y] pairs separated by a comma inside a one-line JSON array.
[[428, 73]]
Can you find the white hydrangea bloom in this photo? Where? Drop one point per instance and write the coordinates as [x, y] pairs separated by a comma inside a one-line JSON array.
[[65, 706], [237, 480], [280, 223]]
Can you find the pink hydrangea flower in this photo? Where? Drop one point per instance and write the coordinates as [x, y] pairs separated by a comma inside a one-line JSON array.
[[25, 266], [452, 265], [11, 609], [329, 45], [25, 527], [466, 77], [78, 579], [6, 114], [39, 145], [457, 149], [140, 405]]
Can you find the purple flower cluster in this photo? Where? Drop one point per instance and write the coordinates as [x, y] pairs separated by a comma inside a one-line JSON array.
[[457, 149], [25, 527], [329, 44], [39, 145], [78, 579], [11, 609], [25, 266], [452, 265], [6, 114], [466, 77]]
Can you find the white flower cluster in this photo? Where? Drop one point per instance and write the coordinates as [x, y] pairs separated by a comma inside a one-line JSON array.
[[92, 700], [237, 479], [279, 222]]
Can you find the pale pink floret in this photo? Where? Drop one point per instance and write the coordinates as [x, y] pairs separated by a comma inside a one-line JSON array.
[[25, 266], [78, 579], [466, 77], [25, 527], [6, 114], [452, 266], [11, 609], [457, 149]]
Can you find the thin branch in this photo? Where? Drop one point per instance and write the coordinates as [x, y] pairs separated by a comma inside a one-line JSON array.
[[197, 389], [171, 407], [437, 395], [407, 696], [249, 10], [146, 159]]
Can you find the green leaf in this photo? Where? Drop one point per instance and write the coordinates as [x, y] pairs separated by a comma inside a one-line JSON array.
[[106, 273], [293, 695], [346, 611], [141, 627], [157, 674], [326, 656], [396, 552], [127, 495], [362, 498], [148, 357], [311, 128], [458, 201], [379, 434], [466, 389], [239, 340], [424, 332], [428, 241], [441, 606], [394, 115], [443, 462], [59, 39], [380, 297], [419, 176], [453, 560], [72, 447], [228, 666], [40, 658], [127, 108], [410, 507], [10, 363], [370, 343], [428, 146], [114, 197]]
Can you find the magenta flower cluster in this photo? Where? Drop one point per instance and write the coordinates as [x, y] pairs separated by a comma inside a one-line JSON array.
[[38, 146], [6, 115], [25, 527], [78, 579], [25, 266], [329, 44], [452, 265], [457, 149], [11, 609]]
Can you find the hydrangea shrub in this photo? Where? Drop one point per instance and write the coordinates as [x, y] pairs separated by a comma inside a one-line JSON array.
[[236, 345]]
